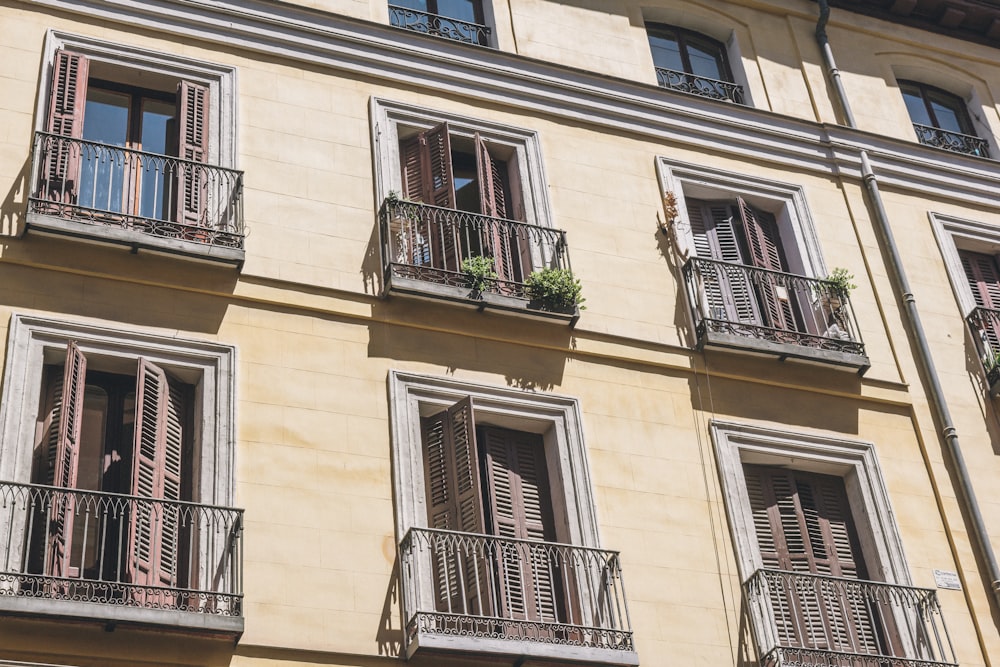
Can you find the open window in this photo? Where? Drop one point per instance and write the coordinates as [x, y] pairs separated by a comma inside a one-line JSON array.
[[127, 153], [499, 547], [118, 478]]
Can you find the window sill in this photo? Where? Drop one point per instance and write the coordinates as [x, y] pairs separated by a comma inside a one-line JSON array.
[[836, 358], [163, 619], [510, 305], [135, 240]]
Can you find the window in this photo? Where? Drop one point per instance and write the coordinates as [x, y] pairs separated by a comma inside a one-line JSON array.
[[941, 119], [460, 20], [690, 62], [127, 153], [750, 256], [820, 555], [456, 189], [120, 479], [495, 515]]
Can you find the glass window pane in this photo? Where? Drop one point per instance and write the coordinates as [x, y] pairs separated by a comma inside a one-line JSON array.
[[947, 117], [105, 117], [705, 62], [157, 117], [916, 107], [463, 10], [102, 168], [666, 52]]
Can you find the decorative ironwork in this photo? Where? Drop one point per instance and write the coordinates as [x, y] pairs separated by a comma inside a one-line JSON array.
[[700, 85], [770, 305], [499, 588], [428, 243], [985, 325], [130, 189], [439, 26], [202, 544], [807, 620], [951, 141]]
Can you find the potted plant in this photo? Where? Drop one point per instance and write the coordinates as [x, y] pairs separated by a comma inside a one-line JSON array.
[[838, 287], [554, 290], [479, 273]]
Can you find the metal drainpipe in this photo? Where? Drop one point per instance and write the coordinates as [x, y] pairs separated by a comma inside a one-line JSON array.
[[967, 495]]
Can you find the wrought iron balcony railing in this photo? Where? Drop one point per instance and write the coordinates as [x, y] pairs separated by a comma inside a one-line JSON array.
[[985, 326], [158, 195], [806, 620], [951, 141], [761, 305], [428, 243], [88, 546], [465, 585], [439, 26], [699, 85]]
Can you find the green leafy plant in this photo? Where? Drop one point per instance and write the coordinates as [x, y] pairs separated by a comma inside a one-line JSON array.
[[842, 280], [478, 272], [555, 289]]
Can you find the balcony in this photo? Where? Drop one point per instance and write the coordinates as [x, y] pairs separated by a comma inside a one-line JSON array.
[[423, 247], [140, 200], [699, 85], [768, 312], [439, 26], [485, 594], [810, 620], [951, 141], [985, 326], [67, 553]]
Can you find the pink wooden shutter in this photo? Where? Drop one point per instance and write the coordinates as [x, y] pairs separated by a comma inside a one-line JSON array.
[[67, 101], [520, 507], [984, 281], [156, 474], [192, 131], [64, 452], [492, 202], [428, 178], [764, 244]]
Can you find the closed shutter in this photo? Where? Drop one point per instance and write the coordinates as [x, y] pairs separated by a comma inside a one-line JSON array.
[[803, 524], [63, 456], [493, 203], [154, 530], [984, 281], [760, 229], [428, 178], [454, 502], [67, 101], [520, 508], [727, 289], [193, 130]]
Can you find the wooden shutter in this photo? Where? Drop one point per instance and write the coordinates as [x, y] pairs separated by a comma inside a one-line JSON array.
[[428, 178], [520, 508], [760, 229], [727, 289], [67, 101], [804, 524], [154, 527], [192, 142], [493, 203], [984, 281], [454, 502], [63, 457]]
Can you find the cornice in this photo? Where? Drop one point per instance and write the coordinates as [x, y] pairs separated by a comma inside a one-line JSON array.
[[498, 78]]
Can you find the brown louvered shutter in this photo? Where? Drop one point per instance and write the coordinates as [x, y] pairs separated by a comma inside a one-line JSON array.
[[984, 281], [454, 502], [760, 230], [520, 507], [192, 142], [727, 289], [67, 101], [63, 457], [154, 527], [493, 203], [428, 178], [804, 524]]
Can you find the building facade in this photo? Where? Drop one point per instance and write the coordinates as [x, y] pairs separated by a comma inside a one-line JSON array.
[[485, 332]]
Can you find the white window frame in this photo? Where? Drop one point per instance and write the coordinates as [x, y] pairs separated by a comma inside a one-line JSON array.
[[953, 234], [389, 117], [556, 418], [34, 341], [787, 201], [220, 80]]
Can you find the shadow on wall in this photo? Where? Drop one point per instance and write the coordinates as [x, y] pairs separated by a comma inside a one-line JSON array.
[[389, 637], [371, 267], [14, 205], [530, 355], [681, 319]]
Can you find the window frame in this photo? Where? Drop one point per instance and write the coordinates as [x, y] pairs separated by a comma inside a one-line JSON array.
[[683, 36], [955, 102]]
